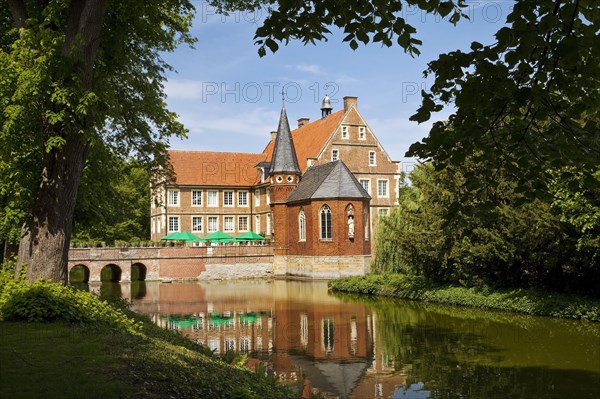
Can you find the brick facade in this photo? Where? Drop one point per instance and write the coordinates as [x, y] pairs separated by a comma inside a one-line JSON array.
[[344, 131]]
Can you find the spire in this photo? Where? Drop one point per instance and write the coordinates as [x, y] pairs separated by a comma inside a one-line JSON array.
[[284, 154]]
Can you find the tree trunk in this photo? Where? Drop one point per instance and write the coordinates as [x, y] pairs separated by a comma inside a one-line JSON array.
[[45, 247]]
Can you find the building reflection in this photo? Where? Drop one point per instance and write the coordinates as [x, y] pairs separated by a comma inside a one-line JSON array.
[[295, 331]]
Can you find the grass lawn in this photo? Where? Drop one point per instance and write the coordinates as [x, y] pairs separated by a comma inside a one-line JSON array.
[[56, 360], [59, 360]]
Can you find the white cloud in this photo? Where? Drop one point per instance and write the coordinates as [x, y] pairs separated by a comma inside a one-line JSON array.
[[309, 68]]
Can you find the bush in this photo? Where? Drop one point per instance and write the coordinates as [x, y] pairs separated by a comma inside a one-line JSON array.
[[43, 301], [525, 301]]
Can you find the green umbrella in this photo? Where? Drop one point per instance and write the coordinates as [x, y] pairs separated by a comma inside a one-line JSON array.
[[250, 236], [219, 236], [182, 236]]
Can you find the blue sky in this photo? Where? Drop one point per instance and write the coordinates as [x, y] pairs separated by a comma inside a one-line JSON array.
[[229, 98]]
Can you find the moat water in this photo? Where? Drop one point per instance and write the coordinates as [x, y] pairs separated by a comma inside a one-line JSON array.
[[340, 346]]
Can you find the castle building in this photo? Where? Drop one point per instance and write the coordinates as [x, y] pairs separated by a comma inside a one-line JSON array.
[[316, 192]]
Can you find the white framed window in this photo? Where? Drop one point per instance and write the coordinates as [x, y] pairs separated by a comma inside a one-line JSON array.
[[213, 198], [344, 132], [242, 198], [228, 223], [245, 344], [257, 224], [243, 223], [196, 198], [173, 198], [302, 226], [326, 226], [257, 197], [173, 224], [268, 196], [382, 188], [362, 135], [382, 212], [372, 159], [227, 198], [268, 224], [213, 224], [335, 155], [196, 223], [366, 183]]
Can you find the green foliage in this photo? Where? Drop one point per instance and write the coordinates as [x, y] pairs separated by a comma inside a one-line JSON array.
[[69, 91], [380, 22], [527, 104], [113, 201], [578, 203], [518, 300], [45, 302], [512, 244]]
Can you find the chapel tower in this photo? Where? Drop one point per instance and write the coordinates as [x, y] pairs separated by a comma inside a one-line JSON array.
[[284, 173]]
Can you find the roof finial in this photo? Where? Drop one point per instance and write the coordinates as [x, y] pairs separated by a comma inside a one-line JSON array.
[[282, 97]]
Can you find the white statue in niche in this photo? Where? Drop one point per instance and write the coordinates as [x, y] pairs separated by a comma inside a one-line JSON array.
[[350, 222]]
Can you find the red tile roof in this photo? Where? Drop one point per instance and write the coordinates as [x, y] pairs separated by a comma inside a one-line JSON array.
[[235, 169], [310, 138], [209, 168]]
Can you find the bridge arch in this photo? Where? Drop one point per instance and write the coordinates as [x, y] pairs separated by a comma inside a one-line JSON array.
[[79, 273], [138, 271], [111, 272]]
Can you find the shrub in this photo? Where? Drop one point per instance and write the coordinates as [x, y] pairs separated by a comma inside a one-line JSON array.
[[43, 301]]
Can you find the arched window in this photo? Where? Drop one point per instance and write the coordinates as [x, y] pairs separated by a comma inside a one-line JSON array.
[[326, 223], [302, 226]]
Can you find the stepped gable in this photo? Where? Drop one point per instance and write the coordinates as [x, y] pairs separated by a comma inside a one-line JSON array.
[[310, 139], [284, 158], [211, 168], [327, 181]]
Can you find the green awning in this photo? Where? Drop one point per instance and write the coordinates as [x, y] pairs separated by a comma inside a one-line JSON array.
[[182, 236], [250, 236], [219, 236]]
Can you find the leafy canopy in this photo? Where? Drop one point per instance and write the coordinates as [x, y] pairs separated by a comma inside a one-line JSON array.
[[48, 98], [377, 21], [527, 104]]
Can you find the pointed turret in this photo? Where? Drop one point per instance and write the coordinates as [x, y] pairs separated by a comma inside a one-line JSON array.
[[284, 154]]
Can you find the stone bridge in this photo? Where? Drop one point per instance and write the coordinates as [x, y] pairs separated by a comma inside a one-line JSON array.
[[170, 263]]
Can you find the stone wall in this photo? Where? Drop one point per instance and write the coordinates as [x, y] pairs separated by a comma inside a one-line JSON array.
[[226, 271], [325, 267]]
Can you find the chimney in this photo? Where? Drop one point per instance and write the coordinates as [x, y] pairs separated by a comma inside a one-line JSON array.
[[273, 135], [350, 101], [302, 122]]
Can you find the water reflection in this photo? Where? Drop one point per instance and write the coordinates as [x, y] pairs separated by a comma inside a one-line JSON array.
[[349, 347]]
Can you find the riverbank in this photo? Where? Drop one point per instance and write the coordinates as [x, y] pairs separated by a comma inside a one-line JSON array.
[[116, 353], [524, 301]]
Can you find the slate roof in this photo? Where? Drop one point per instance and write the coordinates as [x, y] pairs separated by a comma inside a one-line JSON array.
[[310, 139], [284, 154], [330, 180], [210, 168]]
